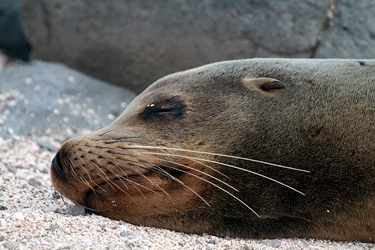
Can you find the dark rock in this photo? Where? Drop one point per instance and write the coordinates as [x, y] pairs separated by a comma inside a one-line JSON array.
[[134, 43], [56, 195], [12, 39], [52, 96], [3, 208]]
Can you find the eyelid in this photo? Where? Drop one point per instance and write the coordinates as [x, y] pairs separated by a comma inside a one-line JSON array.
[[169, 107]]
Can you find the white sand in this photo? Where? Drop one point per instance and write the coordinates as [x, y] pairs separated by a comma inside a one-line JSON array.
[[31, 218]]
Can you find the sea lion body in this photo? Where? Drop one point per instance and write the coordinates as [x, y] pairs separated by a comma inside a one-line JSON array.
[[314, 119]]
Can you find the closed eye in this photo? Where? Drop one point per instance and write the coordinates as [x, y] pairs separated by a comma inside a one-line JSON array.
[[171, 108]]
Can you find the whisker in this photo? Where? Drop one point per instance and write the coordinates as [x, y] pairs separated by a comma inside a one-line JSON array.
[[216, 154], [86, 182], [149, 189], [74, 174], [128, 169], [116, 160], [157, 185], [231, 166], [104, 176], [211, 183], [108, 178], [117, 175], [204, 173], [201, 163], [107, 132], [196, 176], [163, 172], [91, 209], [133, 183], [79, 178], [116, 140], [168, 175], [191, 168]]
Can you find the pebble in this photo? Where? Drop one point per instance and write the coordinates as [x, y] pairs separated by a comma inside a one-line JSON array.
[[54, 226], [9, 245], [271, 243], [125, 234], [71, 79], [28, 81], [46, 145], [78, 211], [34, 182], [18, 216]]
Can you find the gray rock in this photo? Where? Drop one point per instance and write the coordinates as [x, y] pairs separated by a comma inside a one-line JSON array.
[[40, 96], [134, 43], [12, 39], [351, 32]]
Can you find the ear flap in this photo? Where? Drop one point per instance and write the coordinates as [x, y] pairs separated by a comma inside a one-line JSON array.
[[263, 84]]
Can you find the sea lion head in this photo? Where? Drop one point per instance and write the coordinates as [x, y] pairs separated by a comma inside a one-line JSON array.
[[217, 149]]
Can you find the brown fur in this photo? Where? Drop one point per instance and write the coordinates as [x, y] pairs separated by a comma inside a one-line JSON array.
[[322, 121]]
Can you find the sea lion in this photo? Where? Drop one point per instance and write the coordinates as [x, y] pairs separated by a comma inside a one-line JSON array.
[[258, 148]]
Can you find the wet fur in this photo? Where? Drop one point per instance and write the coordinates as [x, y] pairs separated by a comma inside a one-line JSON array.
[[322, 121]]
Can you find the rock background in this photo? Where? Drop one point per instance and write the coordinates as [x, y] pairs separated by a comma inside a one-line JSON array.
[[133, 43], [12, 39], [41, 97], [350, 33]]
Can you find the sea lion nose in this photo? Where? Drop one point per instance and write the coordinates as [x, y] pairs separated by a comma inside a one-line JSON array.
[[58, 166]]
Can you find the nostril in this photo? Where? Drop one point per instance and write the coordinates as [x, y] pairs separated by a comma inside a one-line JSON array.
[[58, 166]]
